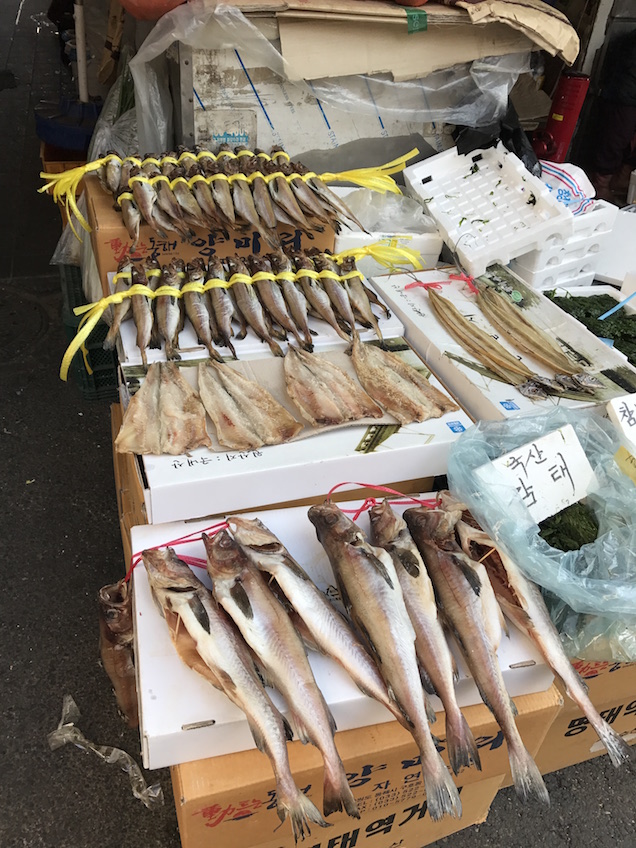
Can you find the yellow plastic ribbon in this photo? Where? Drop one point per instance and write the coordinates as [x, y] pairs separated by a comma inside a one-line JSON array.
[[125, 195], [388, 256], [376, 178]]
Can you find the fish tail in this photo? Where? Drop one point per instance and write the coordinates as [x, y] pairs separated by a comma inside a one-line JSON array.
[[618, 750], [526, 776], [442, 796], [337, 793], [462, 748], [301, 811], [275, 347], [109, 341]]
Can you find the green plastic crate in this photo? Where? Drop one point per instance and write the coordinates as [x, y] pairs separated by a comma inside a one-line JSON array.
[[102, 383]]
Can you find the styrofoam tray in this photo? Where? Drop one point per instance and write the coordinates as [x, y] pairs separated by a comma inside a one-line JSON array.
[[559, 274], [250, 347], [183, 718], [585, 247], [487, 205], [618, 256]]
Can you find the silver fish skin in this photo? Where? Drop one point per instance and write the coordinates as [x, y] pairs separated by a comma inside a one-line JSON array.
[[143, 314], [338, 294], [168, 309], [457, 586], [371, 591], [221, 304], [122, 310], [282, 194], [250, 306], [221, 192], [328, 628], [294, 297], [315, 294], [389, 531], [524, 605], [272, 298], [182, 596], [328, 198], [241, 590], [197, 310], [144, 194]]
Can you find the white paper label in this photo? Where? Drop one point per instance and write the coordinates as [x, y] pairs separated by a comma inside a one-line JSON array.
[[622, 413], [550, 473]]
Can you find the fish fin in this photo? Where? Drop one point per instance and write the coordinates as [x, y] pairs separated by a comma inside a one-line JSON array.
[[304, 632], [430, 712], [526, 776], [337, 792], [300, 810], [426, 680], [378, 565], [240, 598], [407, 559], [513, 707], [472, 578], [200, 612], [289, 733], [462, 748], [257, 736], [395, 700], [617, 748], [441, 794], [300, 729]]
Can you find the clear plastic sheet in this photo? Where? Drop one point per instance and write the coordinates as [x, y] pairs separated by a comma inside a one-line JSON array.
[[599, 580], [472, 94], [389, 213], [67, 732]]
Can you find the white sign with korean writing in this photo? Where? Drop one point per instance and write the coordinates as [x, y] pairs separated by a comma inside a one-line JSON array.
[[622, 413], [550, 473]]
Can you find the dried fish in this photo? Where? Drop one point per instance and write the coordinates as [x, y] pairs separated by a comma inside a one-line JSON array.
[[221, 303], [294, 297], [197, 310], [358, 297], [271, 296], [116, 646], [401, 390], [324, 393], [122, 310], [338, 294], [315, 294], [249, 304], [245, 416], [143, 315], [169, 309]]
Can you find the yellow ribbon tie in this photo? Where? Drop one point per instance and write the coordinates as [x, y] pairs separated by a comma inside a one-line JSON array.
[[151, 160], [385, 255], [125, 195], [217, 283], [377, 178]]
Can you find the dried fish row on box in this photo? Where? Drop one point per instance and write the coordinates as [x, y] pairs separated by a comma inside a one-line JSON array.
[[239, 189], [207, 640]]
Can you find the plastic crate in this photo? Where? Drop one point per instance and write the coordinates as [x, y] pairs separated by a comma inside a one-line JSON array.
[[102, 383]]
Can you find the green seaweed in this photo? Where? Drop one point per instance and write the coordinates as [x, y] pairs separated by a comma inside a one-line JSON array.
[[570, 529], [620, 327]]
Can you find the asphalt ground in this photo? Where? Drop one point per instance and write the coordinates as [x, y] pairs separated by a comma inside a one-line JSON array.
[[61, 542]]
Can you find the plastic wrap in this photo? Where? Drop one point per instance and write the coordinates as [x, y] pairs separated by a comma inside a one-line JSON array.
[[600, 578], [473, 94], [389, 213], [67, 732]]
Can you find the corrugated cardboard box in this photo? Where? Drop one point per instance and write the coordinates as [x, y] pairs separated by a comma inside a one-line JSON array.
[[229, 800], [570, 740], [111, 242]]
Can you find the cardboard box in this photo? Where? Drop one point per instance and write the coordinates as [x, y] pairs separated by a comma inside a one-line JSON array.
[[208, 482], [111, 242], [382, 764], [479, 392], [177, 705], [570, 740]]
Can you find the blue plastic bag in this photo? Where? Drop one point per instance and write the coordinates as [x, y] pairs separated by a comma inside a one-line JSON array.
[[599, 580]]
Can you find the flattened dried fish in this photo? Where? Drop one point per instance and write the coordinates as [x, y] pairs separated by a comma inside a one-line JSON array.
[[245, 416], [398, 388], [164, 417], [323, 393]]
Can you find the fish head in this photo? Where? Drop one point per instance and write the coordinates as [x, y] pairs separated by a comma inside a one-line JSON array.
[[226, 560], [385, 523], [257, 263], [124, 266], [450, 503], [331, 523], [216, 269], [301, 261], [252, 533], [166, 571], [348, 264], [433, 524], [279, 262], [235, 265], [196, 267], [115, 604]]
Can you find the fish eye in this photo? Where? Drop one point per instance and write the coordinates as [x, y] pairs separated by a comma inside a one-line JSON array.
[[331, 519]]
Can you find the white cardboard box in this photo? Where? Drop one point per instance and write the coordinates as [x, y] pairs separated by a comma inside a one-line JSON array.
[[183, 718], [483, 396], [207, 482]]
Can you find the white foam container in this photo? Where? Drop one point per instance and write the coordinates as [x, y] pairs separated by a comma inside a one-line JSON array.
[[183, 718], [488, 207], [565, 273]]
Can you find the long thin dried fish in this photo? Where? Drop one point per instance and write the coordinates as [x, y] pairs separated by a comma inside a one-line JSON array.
[[398, 388], [324, 393], [249, 305], [510, 321], [294, 297], [197, 310], [245, 415], [478, 342], [315, 294]]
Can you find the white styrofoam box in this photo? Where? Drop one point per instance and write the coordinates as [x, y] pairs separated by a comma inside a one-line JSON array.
[[488, 207], [183, 718], [590, 229], [480, 392], [251, 346], [618, 256], [207, 482], [557, 275], [428, 245]]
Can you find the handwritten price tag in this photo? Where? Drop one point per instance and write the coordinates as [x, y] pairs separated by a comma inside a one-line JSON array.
[[622, 413], [550, 473]]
